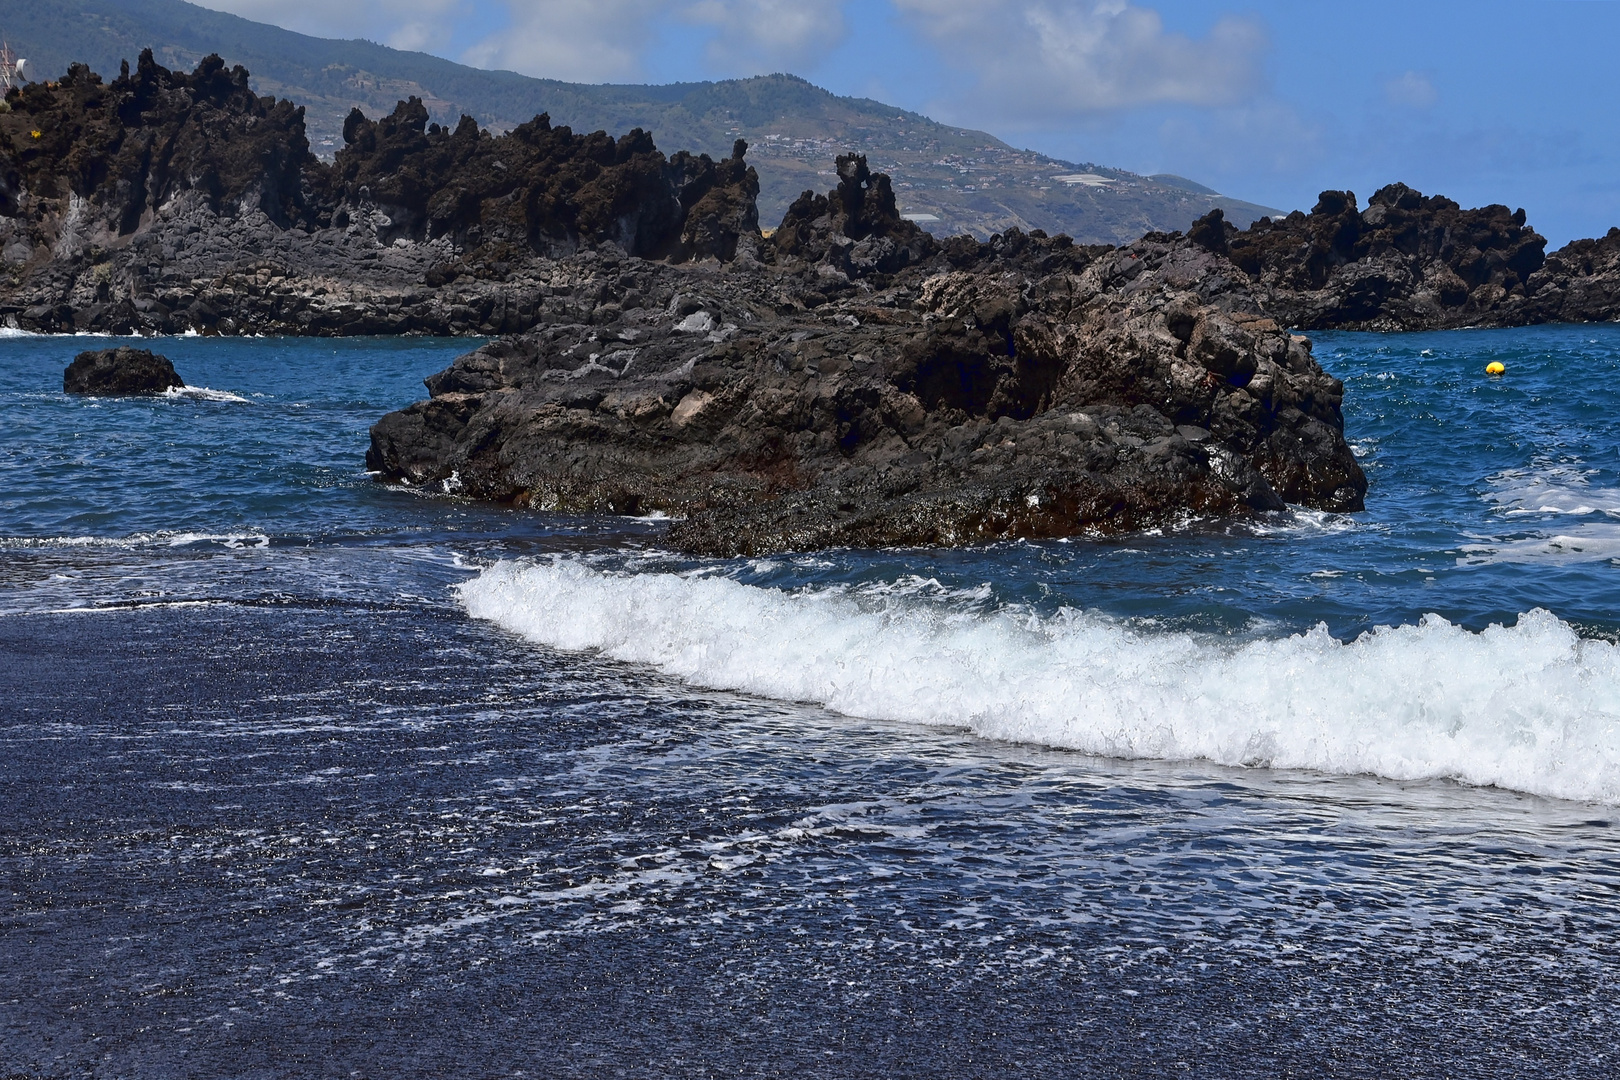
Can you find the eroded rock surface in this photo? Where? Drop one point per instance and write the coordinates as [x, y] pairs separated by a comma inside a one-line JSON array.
[[1580, 282], [1415, 262], [163, 202], [118, 372], [1024, 388]]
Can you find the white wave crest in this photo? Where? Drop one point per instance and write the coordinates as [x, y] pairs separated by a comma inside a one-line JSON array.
[[230, 540], [1563, 487], [1561, 495], [137, 540], [1581, 544], [203, 393], [1532, 707]]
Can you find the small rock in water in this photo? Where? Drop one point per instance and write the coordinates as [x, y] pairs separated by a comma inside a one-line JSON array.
[[119, 371]]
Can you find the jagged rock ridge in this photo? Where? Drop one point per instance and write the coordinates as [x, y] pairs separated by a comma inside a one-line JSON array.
[[121, 150], [166, 201], [163, 202], [945, 394], [1412, 262], [542, 188]]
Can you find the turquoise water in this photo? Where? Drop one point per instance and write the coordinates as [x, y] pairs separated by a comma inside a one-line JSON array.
[[1242, 796]]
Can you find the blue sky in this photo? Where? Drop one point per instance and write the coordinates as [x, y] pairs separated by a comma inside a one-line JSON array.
[[1511, 101]]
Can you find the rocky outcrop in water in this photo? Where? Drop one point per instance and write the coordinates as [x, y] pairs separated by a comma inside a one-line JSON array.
[[848, 380], [1413, 262], [1580, 282], [1025, 388], [119, 372]]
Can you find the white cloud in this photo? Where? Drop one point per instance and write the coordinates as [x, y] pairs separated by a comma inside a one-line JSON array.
[[1026, 58], [761, 36], [577, 40], [573, 40], [1047, 57], [1411, 89], [1232, 144], [402, 24], [606, 40]]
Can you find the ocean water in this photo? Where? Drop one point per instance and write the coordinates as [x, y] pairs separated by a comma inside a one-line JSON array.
[[306, 775]]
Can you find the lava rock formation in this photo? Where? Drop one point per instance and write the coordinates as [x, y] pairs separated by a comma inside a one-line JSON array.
[[164, 202], [1022, 388], [119, 372], [1415, 262], [848, 379]]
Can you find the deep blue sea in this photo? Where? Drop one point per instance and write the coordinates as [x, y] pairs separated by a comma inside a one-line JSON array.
[[302, 775]]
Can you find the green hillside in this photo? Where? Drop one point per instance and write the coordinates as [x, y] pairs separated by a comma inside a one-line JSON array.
[[954, 179]]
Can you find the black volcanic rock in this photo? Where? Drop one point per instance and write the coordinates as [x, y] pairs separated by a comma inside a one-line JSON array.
[[1048, 391], [540, 188], [1213, 232], [720, 201], [856, 227], [1406, 262], [164, 202], [118, 372], [1580, 282], [132, 145]]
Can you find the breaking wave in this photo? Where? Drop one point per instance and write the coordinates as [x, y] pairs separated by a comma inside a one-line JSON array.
[[167, 538], [203, 393], [1532, 707]]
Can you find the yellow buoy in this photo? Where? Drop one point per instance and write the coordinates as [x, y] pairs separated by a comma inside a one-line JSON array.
[[1494, 368]]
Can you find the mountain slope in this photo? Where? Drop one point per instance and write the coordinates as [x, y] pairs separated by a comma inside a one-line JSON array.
[[954, 179]]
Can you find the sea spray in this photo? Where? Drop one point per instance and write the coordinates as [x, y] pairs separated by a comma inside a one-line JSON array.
[[1532, 707]]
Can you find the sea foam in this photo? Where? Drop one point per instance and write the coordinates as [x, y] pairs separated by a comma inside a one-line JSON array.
[[1532, 707], [203, 393]]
